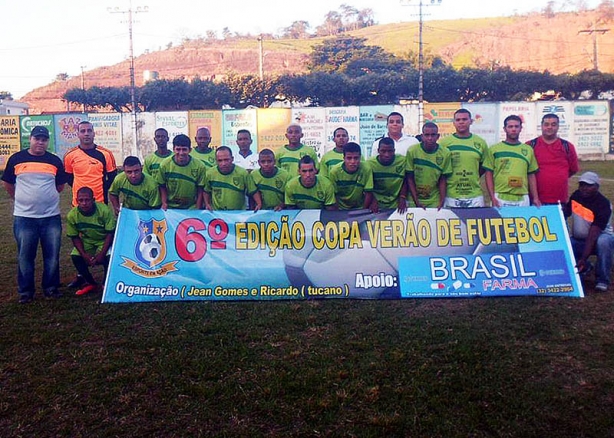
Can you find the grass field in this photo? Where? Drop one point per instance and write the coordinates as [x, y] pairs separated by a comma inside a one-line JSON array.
[[507, 367]]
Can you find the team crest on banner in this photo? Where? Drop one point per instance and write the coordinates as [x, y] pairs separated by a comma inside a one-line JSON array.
[[150, 250]]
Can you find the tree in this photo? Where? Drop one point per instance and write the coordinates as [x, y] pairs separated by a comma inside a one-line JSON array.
[[605, 11], [332, 25], [61, 77], [334, 55], [104, 98], [297, 30], [350, 17], [365, 17], [6, 95], [549, 9]]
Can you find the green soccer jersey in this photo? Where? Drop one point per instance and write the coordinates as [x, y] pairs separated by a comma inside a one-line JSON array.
[[321, 195], [142, 196], [228, 190], [387, 180], [182, 182], [467, 155], [427, 168], [350, 188], [206, 157], [288, 159], [271, 188], [152, 163], [328, 161], [511, 165], [92, 229]]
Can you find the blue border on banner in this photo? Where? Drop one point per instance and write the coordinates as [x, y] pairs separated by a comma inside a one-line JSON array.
[[189, 255]]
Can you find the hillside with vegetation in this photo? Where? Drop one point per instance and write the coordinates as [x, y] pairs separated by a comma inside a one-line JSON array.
[[538, 42]]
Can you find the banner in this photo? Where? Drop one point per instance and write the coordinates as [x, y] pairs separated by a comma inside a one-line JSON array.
[[564, 110], [485, 121], [347, 117], [66, 132], [9, 138], [443, 115], [372, 125], [145, 127], [175, 122], [29, 122], [272, 125], [313, 122], [210, 119], [233, 121], [180, 255], [108, 130], [591, 127], [526, 112]]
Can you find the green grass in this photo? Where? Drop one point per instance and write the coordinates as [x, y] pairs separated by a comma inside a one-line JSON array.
[[506, 367]]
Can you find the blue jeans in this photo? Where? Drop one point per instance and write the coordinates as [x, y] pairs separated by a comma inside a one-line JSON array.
[[604, 249], [28, 233]]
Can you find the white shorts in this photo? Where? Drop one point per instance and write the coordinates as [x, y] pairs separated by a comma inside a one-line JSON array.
[[524, 202], [478, 201]]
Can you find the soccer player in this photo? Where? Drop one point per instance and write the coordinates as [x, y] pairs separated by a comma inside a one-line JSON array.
[[389, 184], [138, 190], [270, 181], [308, 190], [402, 142], [467, 152], [246, 159], [428, 167], [510, 169], [202, 151], [557, 161], [90, 225], [152, 161], [288, 157], [181, 178], [228, 184], [352, 180], [89, 165], [334, 156], [34, 178]]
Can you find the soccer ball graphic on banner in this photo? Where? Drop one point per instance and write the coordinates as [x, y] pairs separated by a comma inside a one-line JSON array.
[[150, 247], [339, 267]]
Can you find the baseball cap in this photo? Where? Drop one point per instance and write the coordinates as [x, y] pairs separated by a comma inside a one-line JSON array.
[[590, 178], [39, 131]]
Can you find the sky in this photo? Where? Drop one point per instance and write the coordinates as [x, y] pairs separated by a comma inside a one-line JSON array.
[[42, 38]]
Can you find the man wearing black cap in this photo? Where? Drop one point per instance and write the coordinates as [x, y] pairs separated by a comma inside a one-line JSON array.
[[591, 230], [34, 179]]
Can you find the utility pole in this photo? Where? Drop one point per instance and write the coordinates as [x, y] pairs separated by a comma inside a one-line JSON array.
[[421, 5], [260, 58], [592, 31], [130, 13], [83, 86]]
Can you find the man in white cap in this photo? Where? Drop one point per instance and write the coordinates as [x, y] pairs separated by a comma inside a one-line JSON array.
[[591, 230]]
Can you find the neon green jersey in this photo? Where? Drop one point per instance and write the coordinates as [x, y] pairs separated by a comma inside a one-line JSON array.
[[511, 165], [92, 229], [152, 163], [182, 182], [427, 168], [271, 188], [208, 158], [387, 180], [142, 196], [467, 155], [321, 195], [350, 188], [228, 190], [328, 161], [288, 159]]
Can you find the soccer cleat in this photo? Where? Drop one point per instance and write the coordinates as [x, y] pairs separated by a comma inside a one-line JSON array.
[[601, 287], [77, 282], [25, 299], [53, 293], [86, 289]]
